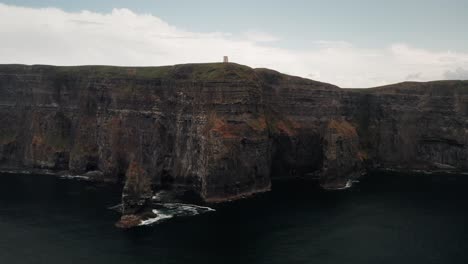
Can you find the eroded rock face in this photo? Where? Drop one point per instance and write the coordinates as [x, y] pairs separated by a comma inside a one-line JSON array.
[[222, 131], [137, 191], [343, 157], [416, 125]]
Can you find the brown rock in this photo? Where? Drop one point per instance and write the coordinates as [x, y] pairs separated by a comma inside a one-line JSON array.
[[128, 221]]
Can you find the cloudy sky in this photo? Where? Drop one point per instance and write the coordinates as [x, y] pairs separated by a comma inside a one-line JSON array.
[[360, 43]]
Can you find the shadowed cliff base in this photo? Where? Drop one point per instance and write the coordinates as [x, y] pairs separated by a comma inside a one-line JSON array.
[[222, 131]]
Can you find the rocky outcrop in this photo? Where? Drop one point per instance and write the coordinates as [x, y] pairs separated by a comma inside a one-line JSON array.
[[343, 157], [221, 131]]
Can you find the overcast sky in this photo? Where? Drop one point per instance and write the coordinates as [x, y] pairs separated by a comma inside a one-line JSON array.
[[360, 43]]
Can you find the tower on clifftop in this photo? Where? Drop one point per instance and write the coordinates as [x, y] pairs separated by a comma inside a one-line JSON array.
[[225, 59]]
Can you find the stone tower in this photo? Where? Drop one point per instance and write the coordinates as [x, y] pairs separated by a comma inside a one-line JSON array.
[[225, 59]]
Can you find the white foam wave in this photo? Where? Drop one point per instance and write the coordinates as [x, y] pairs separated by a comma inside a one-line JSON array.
[[189, 207], [170, 210], [348, 185], [160, 216], [75, 177]]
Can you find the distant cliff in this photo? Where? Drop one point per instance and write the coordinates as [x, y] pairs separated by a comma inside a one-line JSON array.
[[223, 131]]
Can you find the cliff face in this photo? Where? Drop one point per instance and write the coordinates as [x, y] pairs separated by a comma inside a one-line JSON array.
[[222, 131], [416, 125], [341, 132], [201, 127]]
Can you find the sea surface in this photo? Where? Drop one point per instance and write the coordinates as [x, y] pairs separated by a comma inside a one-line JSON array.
[[386, 218]]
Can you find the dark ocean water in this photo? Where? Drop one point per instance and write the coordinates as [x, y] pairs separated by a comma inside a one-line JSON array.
[[387, 218]]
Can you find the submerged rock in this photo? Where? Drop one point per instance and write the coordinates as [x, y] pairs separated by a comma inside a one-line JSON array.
[[129, 221]]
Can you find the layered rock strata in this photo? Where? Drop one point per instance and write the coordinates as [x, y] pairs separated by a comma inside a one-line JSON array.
[[221, 131]]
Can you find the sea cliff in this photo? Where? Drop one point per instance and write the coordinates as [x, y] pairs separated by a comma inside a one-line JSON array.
[[221, 131]]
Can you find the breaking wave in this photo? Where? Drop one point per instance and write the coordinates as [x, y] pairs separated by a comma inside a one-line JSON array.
[[165, 211], [75, 177]]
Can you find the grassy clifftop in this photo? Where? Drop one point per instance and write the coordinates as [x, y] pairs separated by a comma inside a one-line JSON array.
[[196, 72], [221, 72]]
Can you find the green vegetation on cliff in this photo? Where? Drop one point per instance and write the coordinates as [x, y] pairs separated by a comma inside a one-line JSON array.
[[196, 72]]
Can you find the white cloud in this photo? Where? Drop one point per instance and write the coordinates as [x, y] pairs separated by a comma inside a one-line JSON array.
[[122, 37], [259, 36], [457, 74], [413, 77]]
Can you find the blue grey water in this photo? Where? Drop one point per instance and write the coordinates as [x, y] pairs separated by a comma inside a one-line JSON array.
[[387, 218]]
